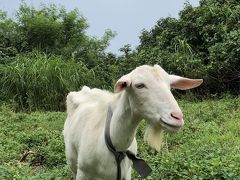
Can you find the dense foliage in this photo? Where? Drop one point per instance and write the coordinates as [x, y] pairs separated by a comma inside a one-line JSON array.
[[203, 42], [206, 148], [50, 30], [46, 52]]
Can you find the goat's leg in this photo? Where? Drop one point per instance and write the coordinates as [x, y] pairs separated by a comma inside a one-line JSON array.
[[81, 175], [73, 167], [128, 176], [71, 157]]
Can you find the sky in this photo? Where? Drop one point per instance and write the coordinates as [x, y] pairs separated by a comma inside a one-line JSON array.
[[125, 17]]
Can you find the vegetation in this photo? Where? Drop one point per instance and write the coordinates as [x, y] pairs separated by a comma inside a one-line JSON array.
[[45, 53], [203, 42], [51, 44], [37, 81], [206, 148], [50, 30]]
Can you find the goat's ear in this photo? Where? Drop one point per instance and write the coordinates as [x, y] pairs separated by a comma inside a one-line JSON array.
[[122, 83], [178, 82]]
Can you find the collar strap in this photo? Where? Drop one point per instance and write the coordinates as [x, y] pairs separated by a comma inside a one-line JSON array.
[[119, 156], [139, 164]]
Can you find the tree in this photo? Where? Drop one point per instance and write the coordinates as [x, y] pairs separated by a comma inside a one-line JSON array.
[[52, 30], [204, 41]]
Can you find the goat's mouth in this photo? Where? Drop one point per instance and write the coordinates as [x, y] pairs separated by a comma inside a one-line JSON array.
[[169, 127]]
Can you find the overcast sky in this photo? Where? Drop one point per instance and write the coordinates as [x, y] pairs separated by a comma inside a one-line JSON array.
[[126, 17]]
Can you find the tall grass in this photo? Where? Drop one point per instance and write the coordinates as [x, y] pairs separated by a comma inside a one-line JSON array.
[[39, 82]]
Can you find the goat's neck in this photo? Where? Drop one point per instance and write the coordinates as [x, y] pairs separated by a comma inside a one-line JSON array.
[[123, 124]]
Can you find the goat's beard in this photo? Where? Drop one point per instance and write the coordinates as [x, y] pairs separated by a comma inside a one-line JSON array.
[[154, 136]]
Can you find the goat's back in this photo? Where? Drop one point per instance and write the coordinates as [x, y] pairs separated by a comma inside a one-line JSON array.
[[86, 112], [87, 96]]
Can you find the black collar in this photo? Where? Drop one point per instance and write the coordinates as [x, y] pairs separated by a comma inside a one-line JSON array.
[[139, 164]]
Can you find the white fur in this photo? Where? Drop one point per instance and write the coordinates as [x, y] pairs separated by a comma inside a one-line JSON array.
[[153, 136], [86, 151]]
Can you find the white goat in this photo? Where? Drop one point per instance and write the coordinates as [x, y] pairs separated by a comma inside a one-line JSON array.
[[144, 93]]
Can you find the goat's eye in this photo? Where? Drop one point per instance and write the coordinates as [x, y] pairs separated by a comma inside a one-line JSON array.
[[140, 86]]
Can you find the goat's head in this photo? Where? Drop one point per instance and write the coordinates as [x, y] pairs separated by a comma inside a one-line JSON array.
[[150, 97]]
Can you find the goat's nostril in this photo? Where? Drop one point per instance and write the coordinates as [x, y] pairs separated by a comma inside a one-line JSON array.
[[177, 115]]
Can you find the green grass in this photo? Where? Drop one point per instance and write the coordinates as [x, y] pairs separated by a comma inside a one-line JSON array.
[[208, 147]]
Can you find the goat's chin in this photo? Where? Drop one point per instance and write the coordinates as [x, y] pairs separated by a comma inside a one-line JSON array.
[[169, 127], [162, 124]]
